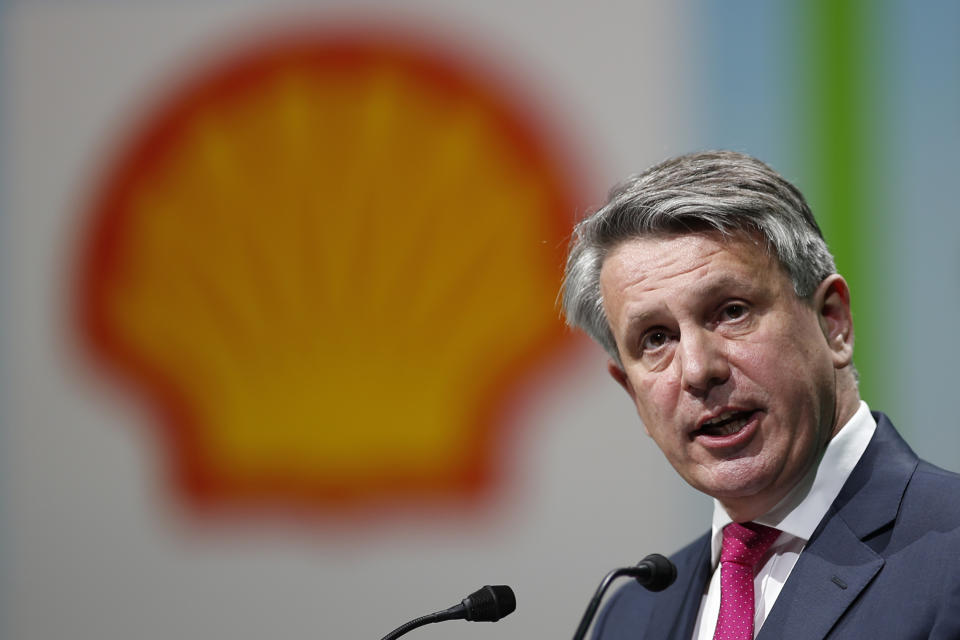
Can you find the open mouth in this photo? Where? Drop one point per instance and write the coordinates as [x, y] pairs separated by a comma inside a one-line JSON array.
[[725, 424]]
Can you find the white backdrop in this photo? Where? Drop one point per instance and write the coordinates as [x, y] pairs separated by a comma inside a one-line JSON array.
[[90, 547]]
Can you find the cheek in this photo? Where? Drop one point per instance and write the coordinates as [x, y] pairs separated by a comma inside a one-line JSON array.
[[776, 360], [653, 395], [656, 404]]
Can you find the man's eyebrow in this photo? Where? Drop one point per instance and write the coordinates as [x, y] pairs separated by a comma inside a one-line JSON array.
[[640, 318], [723, 283]]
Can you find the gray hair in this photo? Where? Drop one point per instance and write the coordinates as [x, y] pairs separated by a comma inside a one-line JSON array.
[[710, 191]]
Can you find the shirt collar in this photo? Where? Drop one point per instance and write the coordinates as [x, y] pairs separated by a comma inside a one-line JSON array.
[[802, 509]]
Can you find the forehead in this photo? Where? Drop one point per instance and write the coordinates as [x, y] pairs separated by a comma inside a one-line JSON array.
[[691, 262]]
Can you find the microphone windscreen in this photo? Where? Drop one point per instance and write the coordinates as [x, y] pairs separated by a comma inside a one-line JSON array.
[[662, 574], [490, 603]]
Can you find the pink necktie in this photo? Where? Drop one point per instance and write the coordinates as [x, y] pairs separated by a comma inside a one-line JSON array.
[[743, 547]]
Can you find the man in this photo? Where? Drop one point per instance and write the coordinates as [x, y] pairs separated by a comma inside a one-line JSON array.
[[709, 284]]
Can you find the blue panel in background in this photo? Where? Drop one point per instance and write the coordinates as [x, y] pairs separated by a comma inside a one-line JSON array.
[[923, 98], [746, 71]]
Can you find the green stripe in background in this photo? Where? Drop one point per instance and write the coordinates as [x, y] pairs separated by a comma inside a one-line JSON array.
[[840, 166]]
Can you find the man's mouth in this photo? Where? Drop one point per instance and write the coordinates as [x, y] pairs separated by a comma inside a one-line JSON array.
[[725, 424]]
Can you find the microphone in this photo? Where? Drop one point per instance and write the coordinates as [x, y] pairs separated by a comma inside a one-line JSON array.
[[487, 604], [654, 572]]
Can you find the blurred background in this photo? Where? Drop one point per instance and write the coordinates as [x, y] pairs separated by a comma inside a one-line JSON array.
[[279, 352]]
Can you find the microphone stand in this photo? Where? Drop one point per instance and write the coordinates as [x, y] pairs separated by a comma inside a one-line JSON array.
[[654, 572], [453, 613], [487, 604], [598, 596]]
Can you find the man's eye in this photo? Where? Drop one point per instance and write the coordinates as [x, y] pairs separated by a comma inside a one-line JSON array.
[[653, 340], [734, 311]]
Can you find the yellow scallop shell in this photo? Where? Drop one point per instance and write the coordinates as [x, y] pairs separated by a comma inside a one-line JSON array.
[[326, 263]]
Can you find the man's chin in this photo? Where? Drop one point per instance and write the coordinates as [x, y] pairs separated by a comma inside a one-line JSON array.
[[737, 486]]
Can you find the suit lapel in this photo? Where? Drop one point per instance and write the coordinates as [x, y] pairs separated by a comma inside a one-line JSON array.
[[829, 575], [838, 562]]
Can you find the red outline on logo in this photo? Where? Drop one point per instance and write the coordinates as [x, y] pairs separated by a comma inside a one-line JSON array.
[[102, 248]]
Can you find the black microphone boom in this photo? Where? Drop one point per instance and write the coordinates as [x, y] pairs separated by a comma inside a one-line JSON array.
[[654, 572], [487, 604]]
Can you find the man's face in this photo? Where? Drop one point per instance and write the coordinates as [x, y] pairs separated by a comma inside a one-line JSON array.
[[732, 374]]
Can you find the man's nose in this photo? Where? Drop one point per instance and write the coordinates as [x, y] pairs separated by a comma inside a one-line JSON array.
[[703, 361]]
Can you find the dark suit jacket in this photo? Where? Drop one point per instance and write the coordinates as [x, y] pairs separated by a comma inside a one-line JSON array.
[[883, 563]]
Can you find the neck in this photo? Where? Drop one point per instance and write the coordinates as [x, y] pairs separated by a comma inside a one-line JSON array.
[[848, 401], [753, 507]]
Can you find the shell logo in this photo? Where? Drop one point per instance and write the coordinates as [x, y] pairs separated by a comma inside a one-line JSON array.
[[324, 262]]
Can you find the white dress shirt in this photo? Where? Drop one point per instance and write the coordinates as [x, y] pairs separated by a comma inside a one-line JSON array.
[[796, 516]]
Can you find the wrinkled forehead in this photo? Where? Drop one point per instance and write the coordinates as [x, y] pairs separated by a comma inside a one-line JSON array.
[[691, 261], [749, 246]]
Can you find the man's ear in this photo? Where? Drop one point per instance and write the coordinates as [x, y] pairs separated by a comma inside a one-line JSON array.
[[618, 374], [832, 303]]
